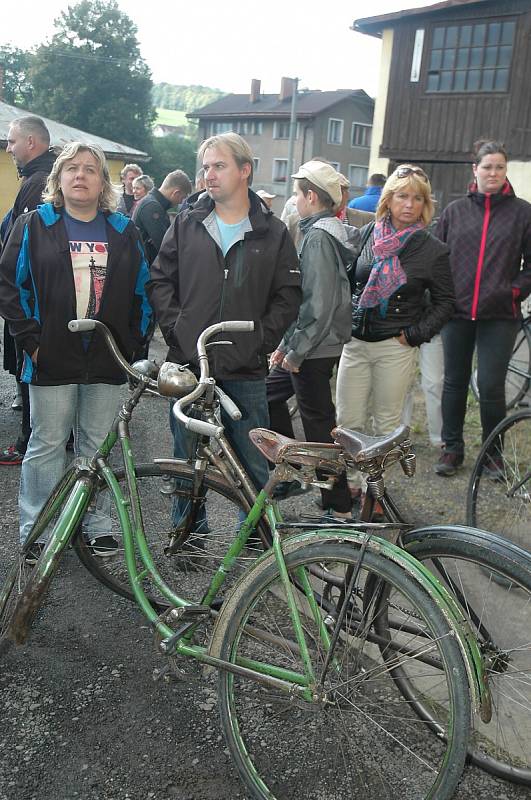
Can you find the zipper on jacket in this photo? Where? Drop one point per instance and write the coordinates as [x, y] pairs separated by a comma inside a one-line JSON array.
[[481, 257]]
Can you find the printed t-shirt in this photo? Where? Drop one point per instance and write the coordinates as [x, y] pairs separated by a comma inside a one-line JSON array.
[[88, 251]]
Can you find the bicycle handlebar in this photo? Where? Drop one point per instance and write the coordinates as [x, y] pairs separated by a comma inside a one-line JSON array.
[[199, 425], [86, 325]]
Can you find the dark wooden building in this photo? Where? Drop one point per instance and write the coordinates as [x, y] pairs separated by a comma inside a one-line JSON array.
[[453, 72]]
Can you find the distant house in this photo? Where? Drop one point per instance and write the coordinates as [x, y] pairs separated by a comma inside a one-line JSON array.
[[160, 130], [117, 154], [451, 73], [334, 125]]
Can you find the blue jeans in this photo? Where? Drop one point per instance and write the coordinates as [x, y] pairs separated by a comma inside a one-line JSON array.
[[494, 341], [250, 397], [89, 411]]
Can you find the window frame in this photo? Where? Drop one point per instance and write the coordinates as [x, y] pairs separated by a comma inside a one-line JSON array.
[[361, 125], [273, 176], [358, 166], [342, 129], [460, 48]]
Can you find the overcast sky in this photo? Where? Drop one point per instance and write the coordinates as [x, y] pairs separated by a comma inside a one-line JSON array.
[[225, 44]]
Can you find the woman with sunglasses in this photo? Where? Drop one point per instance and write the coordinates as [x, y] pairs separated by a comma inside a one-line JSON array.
[[489, 235], [400, 260]]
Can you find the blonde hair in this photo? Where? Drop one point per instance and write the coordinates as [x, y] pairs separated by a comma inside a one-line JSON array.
[[417, 182], [239, 148], [108, 199]]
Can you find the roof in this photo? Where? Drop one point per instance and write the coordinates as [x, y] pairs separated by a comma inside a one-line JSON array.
[[309, 104], [375, 25], [62, 134]]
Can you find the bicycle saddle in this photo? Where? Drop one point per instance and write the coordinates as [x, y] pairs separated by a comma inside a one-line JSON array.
[[362, 447], [278, 448]]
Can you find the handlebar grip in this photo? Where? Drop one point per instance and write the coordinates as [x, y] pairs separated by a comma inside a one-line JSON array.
[[237, 325], [228, 404], [81, 325], [204, 428]]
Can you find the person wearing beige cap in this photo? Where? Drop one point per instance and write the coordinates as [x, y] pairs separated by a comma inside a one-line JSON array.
[[266, 197], [311, 347]]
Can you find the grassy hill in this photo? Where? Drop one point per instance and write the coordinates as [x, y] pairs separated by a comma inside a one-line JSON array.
[[167, 116]]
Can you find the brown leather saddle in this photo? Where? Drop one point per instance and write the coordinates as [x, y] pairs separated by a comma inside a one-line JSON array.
[[278, 449], [363, 448]]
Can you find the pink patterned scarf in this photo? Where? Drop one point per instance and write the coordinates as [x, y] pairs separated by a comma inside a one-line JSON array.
[[387, 275]]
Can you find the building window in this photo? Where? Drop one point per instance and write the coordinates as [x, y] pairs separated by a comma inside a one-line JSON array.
[[357, 175], [281, 130], [255, 128], [280, 170], [256, 166], [361, 135], [220, 127], [336, 165], [471, 58], [241, 127], [335, 131]]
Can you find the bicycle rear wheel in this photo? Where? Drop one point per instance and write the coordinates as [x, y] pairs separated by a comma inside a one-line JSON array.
[[492, 581], [189, 569], [358, 736], [499, 490], [517, 380]]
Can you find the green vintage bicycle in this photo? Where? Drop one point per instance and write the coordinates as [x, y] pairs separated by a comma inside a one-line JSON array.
[[312, 640]]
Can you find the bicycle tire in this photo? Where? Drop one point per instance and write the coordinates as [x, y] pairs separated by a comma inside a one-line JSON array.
[[493, 582], [499, 489], [187, 572], [16, 603], [286, 747], [516, 384]]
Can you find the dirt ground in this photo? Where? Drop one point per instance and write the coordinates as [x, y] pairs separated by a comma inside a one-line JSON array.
[[81, 715]]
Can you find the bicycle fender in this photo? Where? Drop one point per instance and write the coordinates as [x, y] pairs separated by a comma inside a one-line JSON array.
[[460, 627]]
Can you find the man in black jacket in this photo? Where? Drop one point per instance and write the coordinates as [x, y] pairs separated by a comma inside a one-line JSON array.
[[28, 141], [151, 214], [226, 256]]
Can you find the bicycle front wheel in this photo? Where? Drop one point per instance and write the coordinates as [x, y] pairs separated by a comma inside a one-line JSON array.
[[188, 569], [356, 735], [492, 581], [24, 588], [499, 490]]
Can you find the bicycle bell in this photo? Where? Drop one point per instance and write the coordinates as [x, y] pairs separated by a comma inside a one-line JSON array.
[[175, 380]]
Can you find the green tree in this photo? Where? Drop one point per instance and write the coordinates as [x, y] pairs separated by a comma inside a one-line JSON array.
[[15, 65], [184, 98], [169, 153], [91, 74]]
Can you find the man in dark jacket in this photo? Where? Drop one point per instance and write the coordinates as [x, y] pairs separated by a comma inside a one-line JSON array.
[[28, 141], [228, 257], [151, 214]]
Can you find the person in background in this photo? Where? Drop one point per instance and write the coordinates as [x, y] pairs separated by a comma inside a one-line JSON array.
[[28, 142], [200, 184], [128, 174], [226, 257], [142, 184], [369, 199], [266, 197], [72, 257], [489, 236], [151, 214], [350, 215], [400, 259], [305, 358]]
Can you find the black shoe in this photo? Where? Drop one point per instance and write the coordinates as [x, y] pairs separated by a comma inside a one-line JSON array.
[[286, 489], [34, 553], [104, 546], [449, 463], [493, 468]]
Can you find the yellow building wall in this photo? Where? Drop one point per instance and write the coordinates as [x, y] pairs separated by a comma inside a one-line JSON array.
[[519, 174], [10, 183], [376, 163]]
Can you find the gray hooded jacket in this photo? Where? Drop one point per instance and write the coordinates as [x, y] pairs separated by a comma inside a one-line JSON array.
[[324, 323]]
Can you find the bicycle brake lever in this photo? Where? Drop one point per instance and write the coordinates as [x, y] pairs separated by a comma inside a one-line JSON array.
[[213, 344]]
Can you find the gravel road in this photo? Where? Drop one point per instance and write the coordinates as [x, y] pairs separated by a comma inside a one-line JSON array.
[[81, 715]]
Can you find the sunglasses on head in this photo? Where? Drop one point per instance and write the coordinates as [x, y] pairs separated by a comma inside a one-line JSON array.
[[403, 172]]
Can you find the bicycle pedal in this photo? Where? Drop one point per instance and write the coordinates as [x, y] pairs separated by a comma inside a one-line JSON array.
[[182, 613]]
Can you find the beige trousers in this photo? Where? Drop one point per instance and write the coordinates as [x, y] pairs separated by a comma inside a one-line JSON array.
[[373, 379]]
